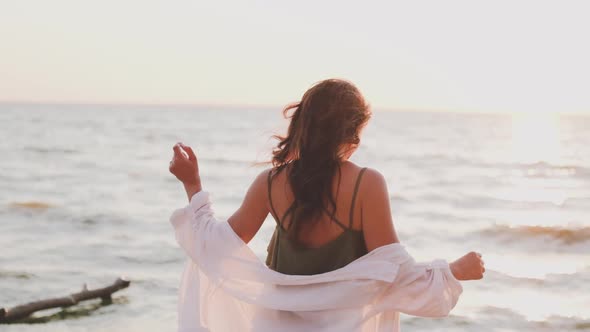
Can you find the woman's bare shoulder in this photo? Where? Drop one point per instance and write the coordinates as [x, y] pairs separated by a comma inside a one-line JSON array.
[[377, 222], [374, 175], [373, 184], [371, 176], [262, 177]]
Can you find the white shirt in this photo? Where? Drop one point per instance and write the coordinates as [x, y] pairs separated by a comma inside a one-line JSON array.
[[226, 287]]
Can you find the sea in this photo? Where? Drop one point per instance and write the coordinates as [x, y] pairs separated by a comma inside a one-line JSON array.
[[86, 196]]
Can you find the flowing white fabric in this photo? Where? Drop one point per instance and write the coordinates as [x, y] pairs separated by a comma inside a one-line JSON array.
[[226, 287]]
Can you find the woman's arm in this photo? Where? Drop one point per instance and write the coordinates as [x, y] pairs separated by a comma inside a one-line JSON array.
[[378, 226], [250, 216], [377, 222], [248, 219]]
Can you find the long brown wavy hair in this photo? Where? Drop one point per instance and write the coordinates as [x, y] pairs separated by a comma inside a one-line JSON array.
[[324, 131]]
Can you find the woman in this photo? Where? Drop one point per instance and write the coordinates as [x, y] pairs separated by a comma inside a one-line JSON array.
[[329, 211]]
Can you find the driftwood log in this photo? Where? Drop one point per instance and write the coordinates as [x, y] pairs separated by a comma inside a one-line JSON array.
[[25, 310]]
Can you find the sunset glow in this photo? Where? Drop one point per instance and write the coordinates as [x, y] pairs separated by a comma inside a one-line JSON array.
[[524, 57], [535, 138]]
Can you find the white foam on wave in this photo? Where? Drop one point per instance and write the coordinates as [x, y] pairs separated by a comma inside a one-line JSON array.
[[563, 235]]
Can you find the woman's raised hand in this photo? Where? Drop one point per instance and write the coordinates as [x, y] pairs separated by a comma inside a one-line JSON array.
[[184, 165], [468, 267]]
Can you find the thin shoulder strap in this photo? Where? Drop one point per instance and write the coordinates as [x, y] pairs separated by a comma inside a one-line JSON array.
[[333, 217], [356, 189], [270, 198]]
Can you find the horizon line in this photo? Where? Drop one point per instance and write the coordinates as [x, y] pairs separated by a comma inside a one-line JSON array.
[[277, 107]]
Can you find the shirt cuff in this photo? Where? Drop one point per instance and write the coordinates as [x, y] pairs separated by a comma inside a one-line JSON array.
[[443, 265], [197, 201]]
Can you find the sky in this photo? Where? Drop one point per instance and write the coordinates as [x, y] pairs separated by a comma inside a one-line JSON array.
[[507, 56]]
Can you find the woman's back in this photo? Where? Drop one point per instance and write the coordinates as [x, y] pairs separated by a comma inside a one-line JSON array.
[[328, 227], [332, 241]]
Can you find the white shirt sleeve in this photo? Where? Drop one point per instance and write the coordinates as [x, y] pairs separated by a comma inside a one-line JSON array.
[[423, 289]]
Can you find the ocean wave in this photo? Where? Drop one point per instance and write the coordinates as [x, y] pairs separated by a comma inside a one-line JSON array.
[[564, 235], [442, 216], [15, 274], [498, 277], [228, 161], [50, 150], [398, 198], [555, 281], [490, 318], [483, 201], [544, 169], [539, 166], [539, 169], [576, 202], [150, 260], [493, 316], [32, 205], [532, 169]]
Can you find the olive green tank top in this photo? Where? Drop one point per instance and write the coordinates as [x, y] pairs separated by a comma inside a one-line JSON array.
[[290, 258]]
